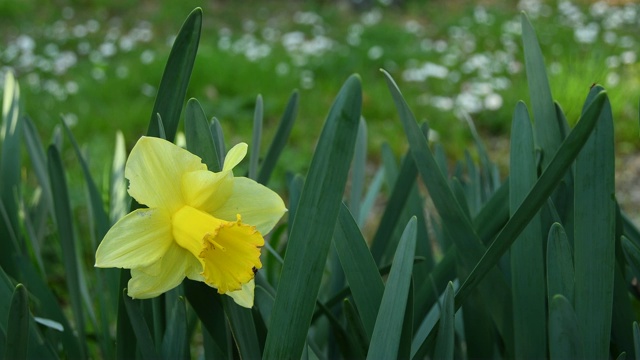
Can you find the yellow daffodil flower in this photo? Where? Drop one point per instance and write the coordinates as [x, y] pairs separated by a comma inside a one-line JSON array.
[[199, 224]]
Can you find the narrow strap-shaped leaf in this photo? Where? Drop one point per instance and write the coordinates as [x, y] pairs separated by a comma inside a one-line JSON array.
[[631, 253], [140, 328], [243, 328], [295, 191], [456, 224], [445, 340], [536, 198], [548, 136], [10, 159], [460, 196], [118, 196], [126, 340], [623, 315], [355, 330], [313, 226], [175, 343], [37, 157], [346, 291], [207, 304], [560, 273], [397, 200], [64, 223], [404, 347], [199, 138], [175, 78], [35, 220], [370, 197], [359, 268], [18, 325], [493, 215], [564, 334], [279, 140], [100, 217], [386, 337], [340, 335], [101, 222], [594, 233], [527, 258], [389, 164], [636, 337], [256, 139], [358, 170], [47, 306], [218, 139], [161, 132]]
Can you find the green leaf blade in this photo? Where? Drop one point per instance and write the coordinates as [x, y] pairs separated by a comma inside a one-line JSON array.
[[198, 136], [445, 342], [359, 268], [64, 221], [313, 226], [537, 196], [547, 129], [280, 139], [594, 234], [527, 260], [175, 79], [18, 325], [386, 338], [10, 164], [564, 334]]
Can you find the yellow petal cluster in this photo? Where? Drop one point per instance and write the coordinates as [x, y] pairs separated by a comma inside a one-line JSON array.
[[199, 224]]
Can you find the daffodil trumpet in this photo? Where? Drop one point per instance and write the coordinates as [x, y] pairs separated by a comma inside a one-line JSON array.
[[206, 226]]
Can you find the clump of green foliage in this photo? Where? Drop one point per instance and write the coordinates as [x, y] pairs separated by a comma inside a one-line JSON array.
[[537, 265]]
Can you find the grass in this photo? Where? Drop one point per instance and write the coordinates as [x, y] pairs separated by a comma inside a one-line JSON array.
[[479, 48]]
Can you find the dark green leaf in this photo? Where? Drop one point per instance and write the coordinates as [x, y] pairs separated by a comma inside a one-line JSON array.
[[564, 334], [636, 337], [175, 79], [140, 328], [257, 139], [536, 197], [548, 136], [397, 200], [199, 138], [242, 328], [445, 341], [594, 233], [18, 325], [64, 221], [527, 258], [358, 337], [560, 273], [385, 341], [218, 139], [175, 343], [280, 139], [208, 306], [359, 268], [358, 170], [10, 159], [313, 226], [456, 225]]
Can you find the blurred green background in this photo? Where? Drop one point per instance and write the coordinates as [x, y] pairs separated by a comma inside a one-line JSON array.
[[99, 62]]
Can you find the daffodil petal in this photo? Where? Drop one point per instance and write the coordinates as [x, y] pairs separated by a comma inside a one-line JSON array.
[[137, 240], [155, 168], [206, 190], [244, 296], [258, 205], [234, 156], [174, 266]]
